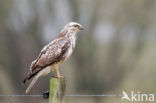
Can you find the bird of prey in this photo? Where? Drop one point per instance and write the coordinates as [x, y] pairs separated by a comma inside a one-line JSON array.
[[54, 54]]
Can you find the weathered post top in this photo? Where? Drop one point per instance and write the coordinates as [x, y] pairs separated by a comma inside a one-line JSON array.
[[57, 90]]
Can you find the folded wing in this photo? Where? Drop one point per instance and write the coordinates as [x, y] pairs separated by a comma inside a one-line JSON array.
[[52, 53]]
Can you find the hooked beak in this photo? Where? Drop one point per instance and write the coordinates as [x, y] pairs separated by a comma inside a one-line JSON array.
[[81, 28]]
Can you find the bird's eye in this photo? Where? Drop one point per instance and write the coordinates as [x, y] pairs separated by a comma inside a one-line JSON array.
[[76, 25]]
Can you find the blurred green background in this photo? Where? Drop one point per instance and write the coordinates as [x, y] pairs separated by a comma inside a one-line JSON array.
[[115, 52]]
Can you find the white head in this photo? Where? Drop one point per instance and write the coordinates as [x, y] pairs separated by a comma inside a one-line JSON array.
[[73, 27]]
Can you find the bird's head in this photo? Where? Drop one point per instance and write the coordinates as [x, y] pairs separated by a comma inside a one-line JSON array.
[[73, 27]]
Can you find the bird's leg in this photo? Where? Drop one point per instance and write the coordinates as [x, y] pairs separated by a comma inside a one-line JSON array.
[[58, 74]]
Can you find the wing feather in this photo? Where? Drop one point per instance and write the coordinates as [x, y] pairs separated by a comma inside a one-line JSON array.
[[50, 54]]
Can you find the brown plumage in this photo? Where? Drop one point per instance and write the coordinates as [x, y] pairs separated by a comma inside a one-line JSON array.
[[54, 54]]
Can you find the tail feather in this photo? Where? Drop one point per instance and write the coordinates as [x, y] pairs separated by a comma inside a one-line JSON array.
[[25, 80], [30, 75], [32, 83], [37, 74]]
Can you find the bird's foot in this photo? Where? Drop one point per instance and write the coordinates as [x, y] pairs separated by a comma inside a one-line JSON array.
[[59, 77]]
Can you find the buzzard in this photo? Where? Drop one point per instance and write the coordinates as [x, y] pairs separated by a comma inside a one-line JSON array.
[[54, 54]]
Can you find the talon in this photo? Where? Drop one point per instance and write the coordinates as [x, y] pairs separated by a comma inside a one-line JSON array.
[[59, 77], [58, 74]]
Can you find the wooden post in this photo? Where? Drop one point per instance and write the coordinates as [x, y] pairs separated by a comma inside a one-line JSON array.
[[57, 90]]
